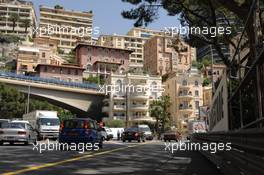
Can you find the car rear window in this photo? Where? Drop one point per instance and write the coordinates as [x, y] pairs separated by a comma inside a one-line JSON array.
[[77, 124], [15, 125]]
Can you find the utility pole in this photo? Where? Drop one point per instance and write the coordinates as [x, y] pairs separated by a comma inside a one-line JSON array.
[[28, 98]]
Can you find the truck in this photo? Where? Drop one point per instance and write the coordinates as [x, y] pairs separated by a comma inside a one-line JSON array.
[[196, 127], [46, 123]]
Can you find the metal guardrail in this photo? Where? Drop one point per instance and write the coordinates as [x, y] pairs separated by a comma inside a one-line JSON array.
[[13, 76], [246, 155]]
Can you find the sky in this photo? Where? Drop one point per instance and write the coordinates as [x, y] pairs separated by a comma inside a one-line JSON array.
[[107, 14]]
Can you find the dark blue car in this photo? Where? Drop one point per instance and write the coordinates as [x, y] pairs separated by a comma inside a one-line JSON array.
[[80, 130]]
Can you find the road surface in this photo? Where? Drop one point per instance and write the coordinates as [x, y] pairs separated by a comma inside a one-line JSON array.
[[148, 158]]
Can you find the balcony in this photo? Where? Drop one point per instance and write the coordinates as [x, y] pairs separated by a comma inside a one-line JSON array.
[[188, 109], [141, 95], [139, 107], [119, 107], [143, 118], [185, 95], [119, 97]]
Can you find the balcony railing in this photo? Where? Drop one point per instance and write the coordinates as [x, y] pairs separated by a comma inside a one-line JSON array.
[[10, 75]]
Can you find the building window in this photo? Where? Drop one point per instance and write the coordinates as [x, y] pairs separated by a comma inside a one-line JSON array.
[[196, 93], [184, 83], [69, 71], [76, 72], [196, 104], [61, 70], [43, 54], [196, 83]]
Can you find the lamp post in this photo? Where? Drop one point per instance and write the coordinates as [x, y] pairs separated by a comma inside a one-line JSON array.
[[28, 98]]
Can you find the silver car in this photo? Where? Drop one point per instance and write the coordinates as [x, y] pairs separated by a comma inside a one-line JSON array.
[[17, 131]]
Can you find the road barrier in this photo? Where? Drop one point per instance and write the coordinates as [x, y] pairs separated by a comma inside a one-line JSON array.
[[247, 153], [14, 76]]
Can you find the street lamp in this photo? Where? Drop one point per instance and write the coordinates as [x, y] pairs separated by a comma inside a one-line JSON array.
[[28, 98]]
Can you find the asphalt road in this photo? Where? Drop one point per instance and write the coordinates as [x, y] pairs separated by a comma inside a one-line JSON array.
[[148, 158]]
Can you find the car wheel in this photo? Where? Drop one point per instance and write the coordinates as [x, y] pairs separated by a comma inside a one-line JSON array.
[[169, 140], [139, 140], [129, 140], [11, 143], [124, 140], [1, 143], [26, 143], [143, 140]]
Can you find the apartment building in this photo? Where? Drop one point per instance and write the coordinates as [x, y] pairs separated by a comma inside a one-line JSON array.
[[101, 60], [131, 96], [66, 26], [160, 57], [186, 93], [134, 40], [63, 72], [41, 51], [20, 12]]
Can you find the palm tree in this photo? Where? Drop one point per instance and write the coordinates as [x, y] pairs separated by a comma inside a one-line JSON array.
[[26, 24], [14, 18], [155, 112]]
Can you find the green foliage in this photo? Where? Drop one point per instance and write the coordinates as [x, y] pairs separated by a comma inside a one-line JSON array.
[[60, 51], [14, 18], [207, 15], [10, 38], [71, 57], [206, 82], [115, 123], [159, 109], [13, 104], [206, 61], [94, 79]]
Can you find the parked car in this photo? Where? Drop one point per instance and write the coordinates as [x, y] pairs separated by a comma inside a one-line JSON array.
[[106, 134], [133, 133], [17, 131], [3, 121], [172, 135], [80, 130], [109, 133], [147, 131]]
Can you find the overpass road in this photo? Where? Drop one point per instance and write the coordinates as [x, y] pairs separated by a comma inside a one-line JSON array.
[[115, 158]]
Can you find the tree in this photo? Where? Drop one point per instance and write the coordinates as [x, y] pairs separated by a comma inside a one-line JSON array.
[[14, 18], [115, 123], [12, 104], [159, 109], [26, 24], [205, 14]]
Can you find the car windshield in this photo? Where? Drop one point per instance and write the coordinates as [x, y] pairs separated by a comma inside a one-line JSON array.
[[145, 129], [15, 125], [132, 129], [49, 121]]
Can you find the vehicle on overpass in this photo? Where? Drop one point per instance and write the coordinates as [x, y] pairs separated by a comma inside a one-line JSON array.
[[17, 131], [80, 130], [46, 123], [133, 133]]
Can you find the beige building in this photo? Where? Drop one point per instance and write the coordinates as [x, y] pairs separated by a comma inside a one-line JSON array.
[[26, 21], [42, 51], [132, 97], [134, 40], [207, 96], [66, 26], [160, 57], [186, 93]]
